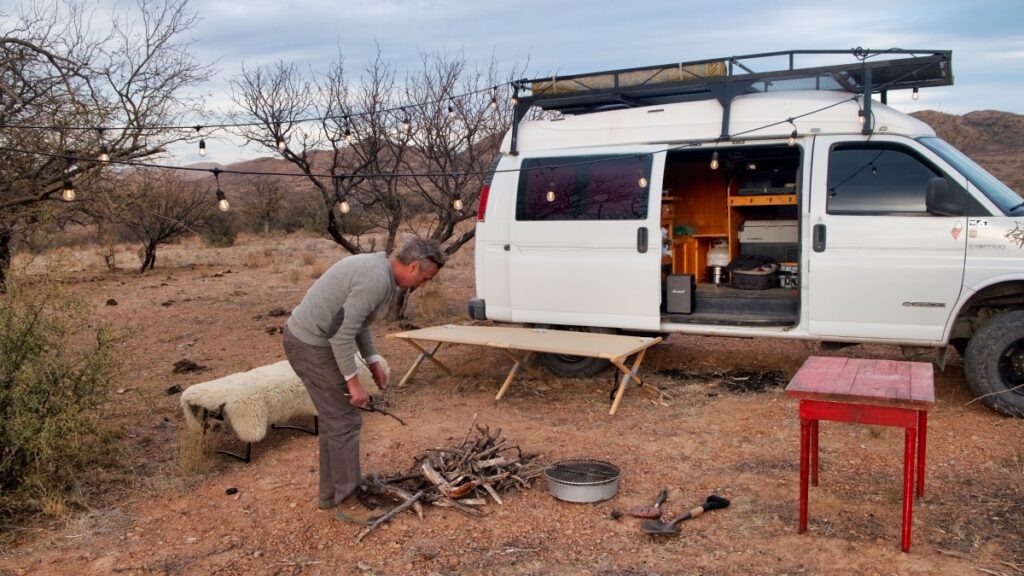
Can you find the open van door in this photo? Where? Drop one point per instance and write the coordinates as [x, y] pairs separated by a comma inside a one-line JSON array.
[[586, 239], [883, 263]]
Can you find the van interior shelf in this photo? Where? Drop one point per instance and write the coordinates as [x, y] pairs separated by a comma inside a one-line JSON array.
[[766, 200]]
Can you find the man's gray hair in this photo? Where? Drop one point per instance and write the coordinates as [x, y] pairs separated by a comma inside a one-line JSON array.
[[417, 249]]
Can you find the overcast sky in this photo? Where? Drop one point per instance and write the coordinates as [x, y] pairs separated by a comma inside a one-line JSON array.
[[576, 36]]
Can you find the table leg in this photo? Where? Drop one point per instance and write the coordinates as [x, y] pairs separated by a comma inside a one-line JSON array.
[[805, 448], [908, 486], [419, 360], [627, 375], [814, 452], [922, 442], [511, 375]]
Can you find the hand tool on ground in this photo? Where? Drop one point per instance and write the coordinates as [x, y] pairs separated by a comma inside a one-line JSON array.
[[379, 406], [650, 511], [658, 527]]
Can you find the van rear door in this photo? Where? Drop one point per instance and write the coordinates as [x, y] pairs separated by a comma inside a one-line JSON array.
[[586, 240]]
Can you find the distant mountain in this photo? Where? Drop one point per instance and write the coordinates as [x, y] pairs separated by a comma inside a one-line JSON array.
[[991, 138]]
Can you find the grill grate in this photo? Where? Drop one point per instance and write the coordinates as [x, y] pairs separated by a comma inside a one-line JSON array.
[[582, 472]]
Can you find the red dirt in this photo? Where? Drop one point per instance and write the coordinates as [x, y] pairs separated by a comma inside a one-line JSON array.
[[213, 306]]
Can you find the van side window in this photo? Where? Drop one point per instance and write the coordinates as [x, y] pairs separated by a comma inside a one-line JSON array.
[[584, 188], [879, 178]]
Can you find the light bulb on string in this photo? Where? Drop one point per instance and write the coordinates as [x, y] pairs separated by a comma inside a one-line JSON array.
[[550, 196], [714, 160], [406, 123], [104, 155], [457, 203], [281, 144], [860, 117], [222, 201], [349, 138], [344, 207], [642, 181], [67, 193], [914, 94], [202, 143], [494, 100], [792, 138]]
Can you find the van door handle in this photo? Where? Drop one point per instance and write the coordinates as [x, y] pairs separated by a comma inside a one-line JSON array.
[[641, 239], [819, 238]]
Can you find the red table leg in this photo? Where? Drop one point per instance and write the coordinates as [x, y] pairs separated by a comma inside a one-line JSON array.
[[922, 442], [908, 485], [805, 448], [814, 452]]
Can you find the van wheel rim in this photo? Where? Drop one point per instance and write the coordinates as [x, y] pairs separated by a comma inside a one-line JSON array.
[[1011, 367]]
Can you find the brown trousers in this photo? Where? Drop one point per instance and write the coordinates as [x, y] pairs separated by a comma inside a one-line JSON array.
[[340, 422]]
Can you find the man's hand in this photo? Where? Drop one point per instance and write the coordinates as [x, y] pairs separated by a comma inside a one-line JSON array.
[[379, 375], [357, 395]]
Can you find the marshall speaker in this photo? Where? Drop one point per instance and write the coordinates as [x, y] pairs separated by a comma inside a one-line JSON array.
[[680, 294]]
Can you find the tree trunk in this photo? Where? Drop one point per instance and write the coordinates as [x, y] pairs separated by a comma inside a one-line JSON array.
[[150, 260], [6, 237], [396, 309]]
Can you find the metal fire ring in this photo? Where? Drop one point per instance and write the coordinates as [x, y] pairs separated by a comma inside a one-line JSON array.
[[583, 480]]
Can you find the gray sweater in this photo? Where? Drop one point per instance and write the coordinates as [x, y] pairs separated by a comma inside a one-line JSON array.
[[339, 308]]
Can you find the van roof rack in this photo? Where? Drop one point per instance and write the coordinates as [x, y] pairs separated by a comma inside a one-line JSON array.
[[867, 72]]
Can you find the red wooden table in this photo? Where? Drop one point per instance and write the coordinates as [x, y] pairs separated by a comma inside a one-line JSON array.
[[858, 391]]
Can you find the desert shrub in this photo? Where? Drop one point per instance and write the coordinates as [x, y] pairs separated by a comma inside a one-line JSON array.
[[55, 371], [221, 230]]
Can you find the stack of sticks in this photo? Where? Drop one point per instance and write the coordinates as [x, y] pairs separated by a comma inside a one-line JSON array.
[[484, 466]]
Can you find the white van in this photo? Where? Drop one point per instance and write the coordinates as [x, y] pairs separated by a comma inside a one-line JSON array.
[[859, 223]]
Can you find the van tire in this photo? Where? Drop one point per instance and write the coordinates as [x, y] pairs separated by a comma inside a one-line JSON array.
[[566, 366], [994, 363]]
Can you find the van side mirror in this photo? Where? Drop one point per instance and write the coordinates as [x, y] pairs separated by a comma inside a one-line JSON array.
[[938, 198]]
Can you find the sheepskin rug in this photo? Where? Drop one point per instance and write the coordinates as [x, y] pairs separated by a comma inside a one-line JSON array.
[[251, 401]]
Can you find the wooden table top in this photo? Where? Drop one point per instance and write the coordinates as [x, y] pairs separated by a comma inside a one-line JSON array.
[[878, 382], [610, 346]]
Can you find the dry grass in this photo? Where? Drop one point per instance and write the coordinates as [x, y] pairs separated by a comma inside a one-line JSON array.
[[308, 258], [195, 452], [430, 302], [318, 268]]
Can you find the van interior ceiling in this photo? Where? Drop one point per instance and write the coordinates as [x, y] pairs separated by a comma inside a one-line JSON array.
[[729, 206]]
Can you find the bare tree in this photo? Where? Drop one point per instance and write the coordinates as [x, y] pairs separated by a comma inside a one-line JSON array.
[[266, 200], [154, 208], [61, 83], [373, 134]]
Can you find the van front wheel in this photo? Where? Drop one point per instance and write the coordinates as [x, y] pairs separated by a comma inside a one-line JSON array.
[[566, 366], [994, 363]]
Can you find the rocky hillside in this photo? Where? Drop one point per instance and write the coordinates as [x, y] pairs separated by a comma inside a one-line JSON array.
[[993, 139]]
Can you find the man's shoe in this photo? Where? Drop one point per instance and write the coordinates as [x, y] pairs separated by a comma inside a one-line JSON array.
[[326, 504], [352, 510]]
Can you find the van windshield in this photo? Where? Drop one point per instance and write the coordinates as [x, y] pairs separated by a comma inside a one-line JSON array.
[[999, 193]]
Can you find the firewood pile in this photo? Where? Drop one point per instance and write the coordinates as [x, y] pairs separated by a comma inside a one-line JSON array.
[[483, 467]]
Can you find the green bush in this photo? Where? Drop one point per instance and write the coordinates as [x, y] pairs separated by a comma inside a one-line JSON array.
[[55, 371], [221, 230]]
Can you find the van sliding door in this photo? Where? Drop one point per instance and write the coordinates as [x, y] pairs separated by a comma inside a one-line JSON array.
[[585, 241]]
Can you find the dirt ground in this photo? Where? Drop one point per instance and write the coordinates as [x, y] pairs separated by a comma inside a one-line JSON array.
[[216, 307]]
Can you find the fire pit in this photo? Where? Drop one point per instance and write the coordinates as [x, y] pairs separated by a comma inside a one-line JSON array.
[[583, 480]]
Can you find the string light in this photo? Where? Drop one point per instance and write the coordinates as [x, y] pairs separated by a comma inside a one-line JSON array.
[[792, 135], [202, 143], [222, 201], [642, 181], [343, 205], [714, 160], [860, 116], [67, 194], [451, 108], [550, 196], [457, 203], [281, 145], [349, 138], [406, 123], [104, 155], [494, 99], [914, 95]]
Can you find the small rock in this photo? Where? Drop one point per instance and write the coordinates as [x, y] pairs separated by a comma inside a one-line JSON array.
[[363, 566], [277, 312], [184, 366], [231, 490], [292, 505], [172, 390], [191, 540], [257, 553], [111, 302], [167, 303], [122, 390]]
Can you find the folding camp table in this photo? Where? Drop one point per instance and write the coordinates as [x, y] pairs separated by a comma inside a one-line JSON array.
[[612, 347]]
